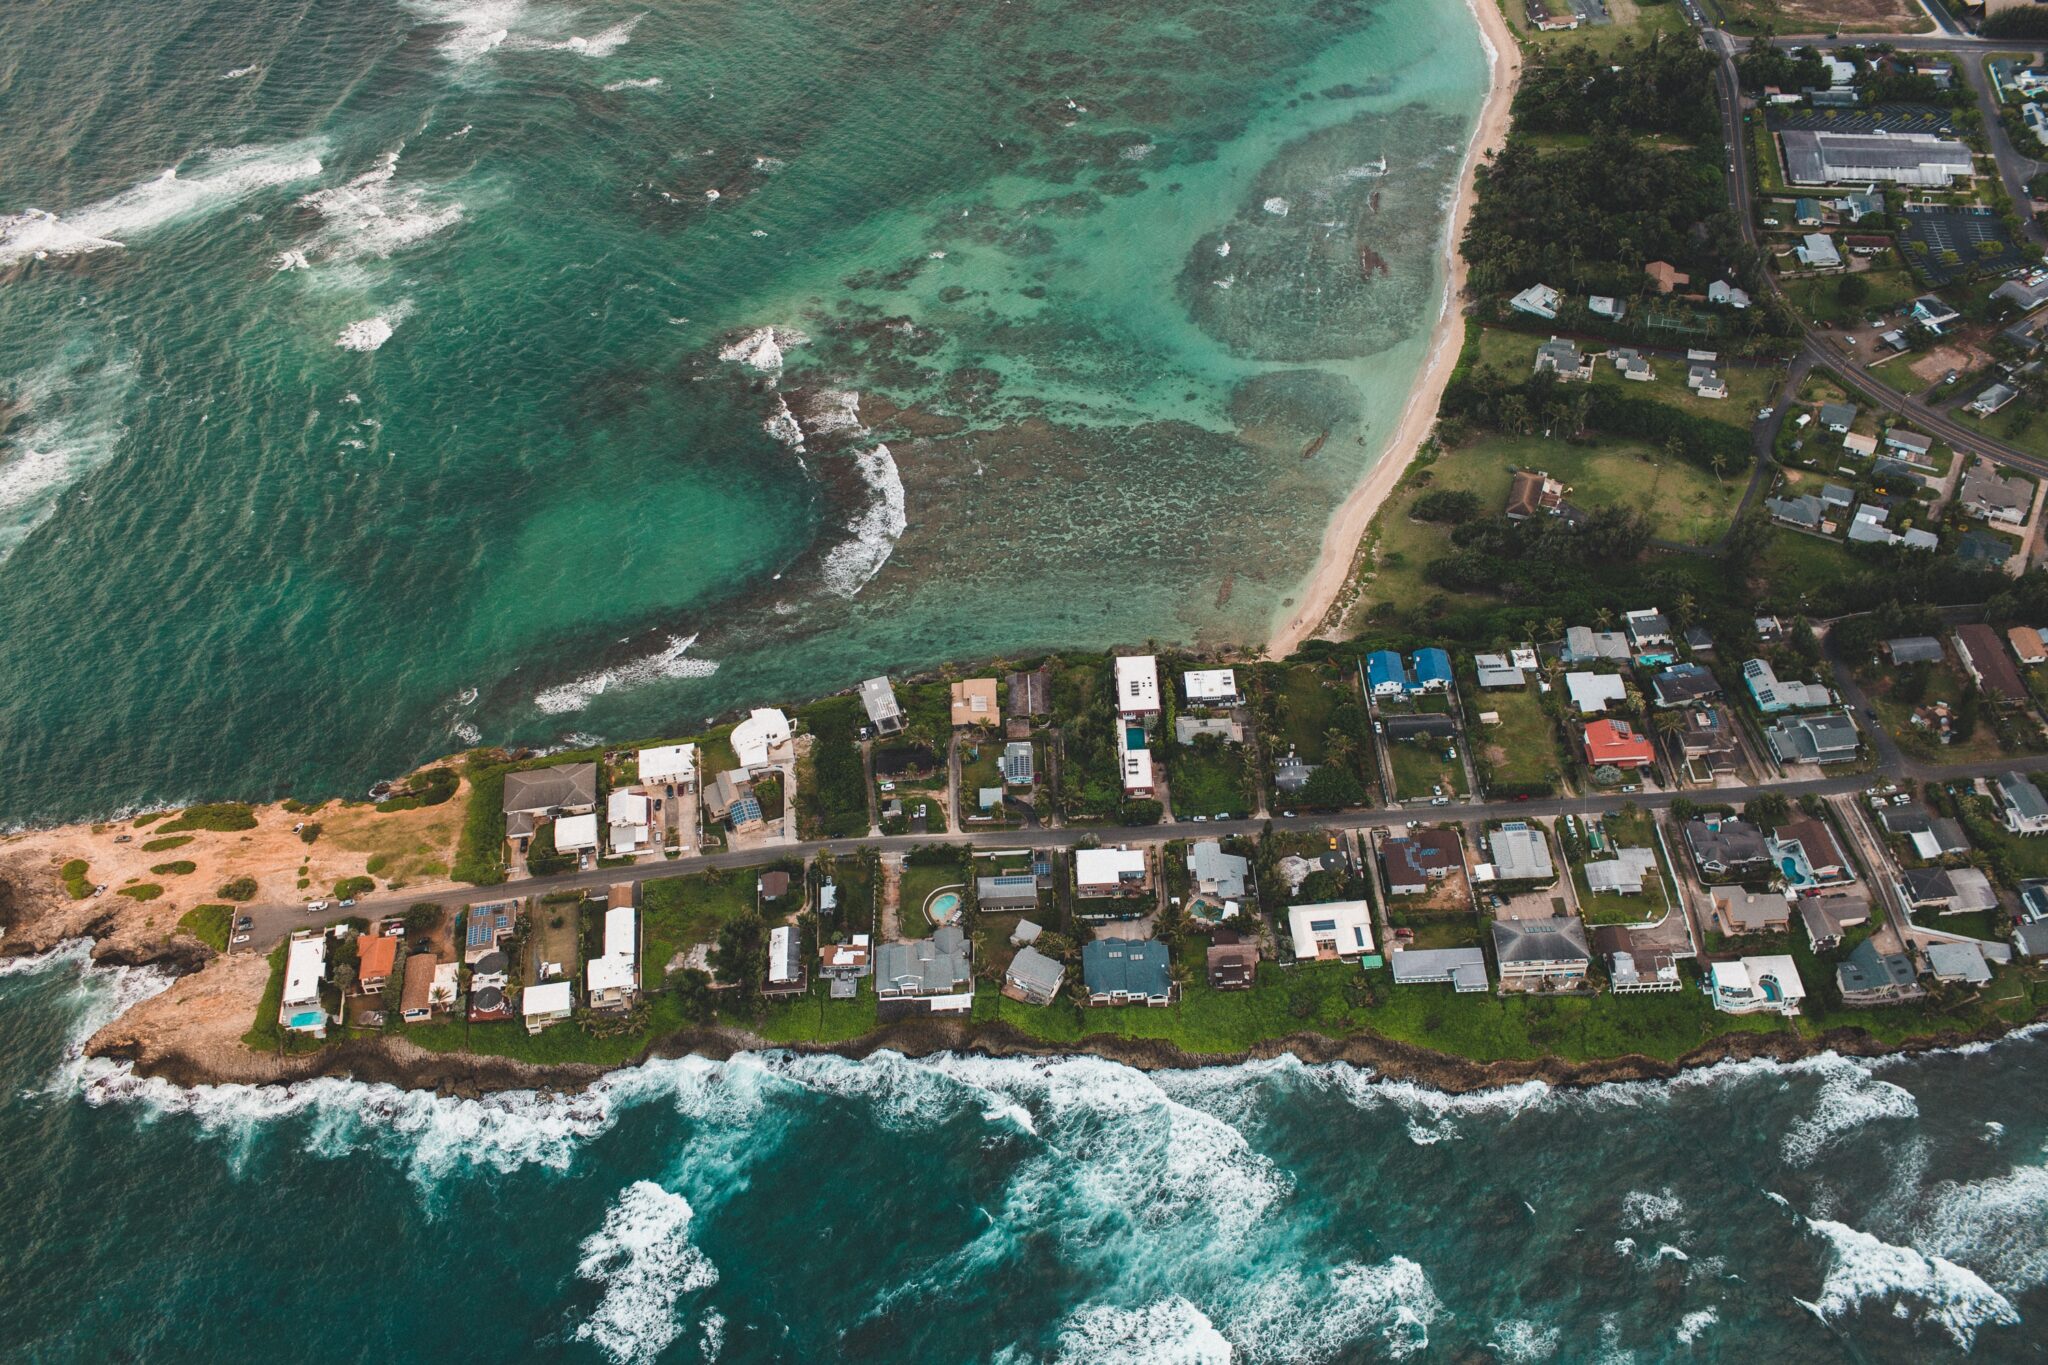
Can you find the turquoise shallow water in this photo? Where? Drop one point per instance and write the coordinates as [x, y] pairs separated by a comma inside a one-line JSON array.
[[775, 1208], [391, 375]]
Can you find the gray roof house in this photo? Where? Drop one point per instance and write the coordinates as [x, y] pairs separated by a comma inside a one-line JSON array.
[[1562, 359], [1914, 649], [1584, 645], [1033, 977], [2031, 939], [1804, 511], [1463, 968], [878, 698], [930, 966], [1827, 738], [1127, 972], [1869, 977], [1836, 417], [1962, 962], [1520, 853], [1624, 873], [1946, 890], [1827, 918], [542, 793], [1722, 845], [1531, 949], [2020, 804], [1988, 493], [1013, 891], [1215, 872]]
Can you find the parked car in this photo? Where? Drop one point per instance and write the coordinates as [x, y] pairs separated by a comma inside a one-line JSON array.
[[238, 939], [1439, 800], [316, 907], [245, 922], [346, 903]]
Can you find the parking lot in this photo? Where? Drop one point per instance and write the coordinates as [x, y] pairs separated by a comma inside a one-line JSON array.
[[1890, 118], [1944, 243]]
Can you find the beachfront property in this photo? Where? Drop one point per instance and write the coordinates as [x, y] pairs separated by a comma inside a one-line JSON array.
[[1331, 931], [671, 767], [1922, 160], [2020, 804], [1869, 977], [1773, 694], [1828, 918], [1632, 967], [1463, 969], [305, 967], [1032, 978], [1533, 492], [756, 739], [1538, 301], [878, 699], [1520, 853], [416, 996], [1137, 688], [1535, 953], [1215, 687], [786, 975], [1111, 872], [612, 980], [1232, 961], [846, 962], [1945, 890], [1615, 744], [544, 1004], [535, 795], [933, 969], [1754, 985], [1562, 358], [1593, 693], [446, 987], [1385, 675], [1414, 862], [376, 959], [1984, 658], [1119, 971], [1431, 669], [488, 978], [973, 702], [1961, 963], [1830, 737], [1725, 846]]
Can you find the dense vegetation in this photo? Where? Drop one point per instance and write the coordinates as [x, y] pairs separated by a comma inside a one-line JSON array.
[[836, 796], [223, 817]]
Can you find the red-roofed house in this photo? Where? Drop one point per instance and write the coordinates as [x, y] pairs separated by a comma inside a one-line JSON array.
[[1613, 742], [375, 957]]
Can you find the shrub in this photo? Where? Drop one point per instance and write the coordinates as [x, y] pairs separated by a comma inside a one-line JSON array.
[[141, 891], [1445, 504], [209, 924], [221, 817], [479, 856], [75, 883], [309, 832], [176, 869], [378, 862], [166, 845], [149, 817], [348, 888], [542, 859], [424, 918], [240, 889], [429, 788]]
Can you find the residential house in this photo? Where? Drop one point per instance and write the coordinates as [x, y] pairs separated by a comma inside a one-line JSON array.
[[1958, 962], [1624, 873], [1593, 693], [1685, 685], [1816, 251], [973, 701], [376, 956], [1033, 978], [1520, 853], [1333, 929], [1121, 971], [1709, 739], [1211, 687], [1011, 891], [671, 768], [1134, 760], [1932, 312], [1614, 743], [1415, 861], [1214, 873], [1983, 549], [485, 927], [1911, 446], [1987, 663], [1137, 687], [612, 979], [535, 795], [1727, 295], [1706, 381], [1633, 970], [1742, 911], [299, 1008], [1561, 357], [1807, 851], [1991, 495], [847, 961], [1584, 645], [1030, 694], [1755, 985], [929, 968], [1432, 670], [2026, 292], [1995, 396], [1946, 890], [1649, 634], [1531, 951], [786, 974], [1774, 694], [1828, 918], [629, 815], [1803, 512], [415, 997], [1930, 837], [1232, 962], [1385, 675], [2027, 645], [1829, 737], [1533, 491], [576, 833], [1496, 672], [1629, 363], [1836, 417], [1425, 725], [1019, 769], [2030, 939], [1605, 306], [1110, 872], [1538, 300], [2020, 804], [1726, 846], [1807, 213], [545, 1003], [758, 736], [1665, 276], [1914, 649], [878, 699], [1859, 445], [1869, 977], [1835, 498], [1464, 969]]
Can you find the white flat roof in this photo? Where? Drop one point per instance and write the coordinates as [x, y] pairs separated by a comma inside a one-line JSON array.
[[551, 997], [304, 965], [626, 808], [609, 974], [1203, 683], [1137, 770], [778, 954], [575, 832], [1137, 683], [1592, 692], [761, 731], [1348, 923], [619, 932], [669, 763], [1097, 866]]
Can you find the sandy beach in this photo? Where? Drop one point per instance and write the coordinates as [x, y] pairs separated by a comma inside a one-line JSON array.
[[1341, 537]]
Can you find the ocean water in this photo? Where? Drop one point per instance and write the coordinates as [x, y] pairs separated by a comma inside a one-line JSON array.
[[380, 377], [779, 1208]]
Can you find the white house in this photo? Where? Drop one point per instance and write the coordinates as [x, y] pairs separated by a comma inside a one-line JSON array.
[[1108, 871], [1818, 252], [1755, 985], [613, 978], [1137, 686], [627, 816], [547, 1003], [1538, 300], [1335, 929], [1211, 687], [669, 765], [1726, 294], [576, 833], [761, 731], [305, 964], [1592, 693]]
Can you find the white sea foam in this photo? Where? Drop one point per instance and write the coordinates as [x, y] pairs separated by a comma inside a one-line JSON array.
[[1641, 1209], [643, 1258], [1297, 1317], [645, 83], [833, 410], [1277, 206], [783, 426], [206, 182], [851, 563], [670, 661], [70, 424], [291, 260], [1849, 1097], [603, 43], [373, 216], [1939, 1292], [713, 1341], [1137, 151], [475, 26], [372, 332], [1169, 1332], [1999, 1226], [1694, 1323], [1520, 1341], [763, 348], [239, 72]]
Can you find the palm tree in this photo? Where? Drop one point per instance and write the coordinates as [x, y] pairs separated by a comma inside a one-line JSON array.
[[1683, 607], [1553, 628], [1604, 618], [1668, 722]]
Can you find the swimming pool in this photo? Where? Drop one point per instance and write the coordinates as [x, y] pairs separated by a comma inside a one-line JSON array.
[[1793, 872], [306, 1019], [943, 908]]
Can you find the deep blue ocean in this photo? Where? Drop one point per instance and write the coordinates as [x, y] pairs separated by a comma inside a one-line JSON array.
[[782, 1208]]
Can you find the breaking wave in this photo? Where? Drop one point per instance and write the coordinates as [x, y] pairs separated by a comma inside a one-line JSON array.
[[372, 332], [643, 1258], [205, 182], [371, 216], [70, 425], [671, 661], [851, 563], [762, 349], [1863, 1269]]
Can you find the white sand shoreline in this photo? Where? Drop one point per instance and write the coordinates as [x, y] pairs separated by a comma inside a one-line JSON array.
[[1349, 523]]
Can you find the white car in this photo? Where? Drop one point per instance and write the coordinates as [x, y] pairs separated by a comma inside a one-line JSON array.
[[316, 907], [1439, 800], [238, 939]]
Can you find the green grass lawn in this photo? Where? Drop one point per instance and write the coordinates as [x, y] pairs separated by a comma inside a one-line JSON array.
[[1749, 388], [2015, 423], [1403, 547], [1802, 567], [1631, 20], [681, 911], [1306, 703], [1819, 296], [1682, 501], [1420, 765], [1747, 16], [918, 884], [1523, 747], [1208, 783], [1944, 683], [209, 924]]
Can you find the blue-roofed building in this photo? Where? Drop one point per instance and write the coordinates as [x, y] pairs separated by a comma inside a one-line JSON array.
[[745, 811], [1122, 971], [1432, 670], [1384, 673], [485, 926]]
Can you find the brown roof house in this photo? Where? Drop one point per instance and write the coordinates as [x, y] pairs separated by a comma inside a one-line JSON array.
[[974, 702], [1534, 491], [1233, 962], [1985, 659], [1666, 276], [416, 998]]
